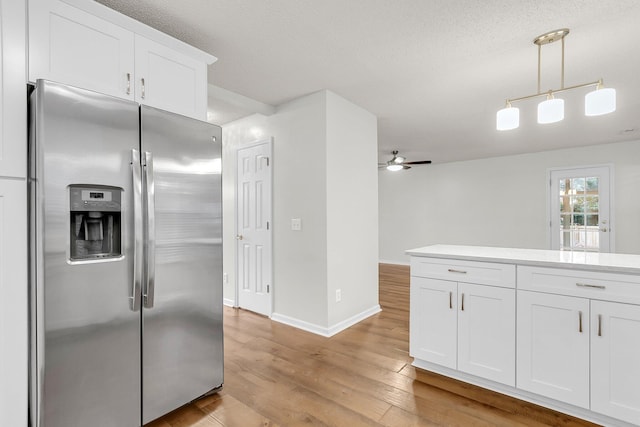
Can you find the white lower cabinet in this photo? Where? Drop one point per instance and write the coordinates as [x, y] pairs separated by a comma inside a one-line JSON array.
[[566, 338], [553, 346], [615, 360], [487, 332], [433, 321], [464, 326], [13, 302]]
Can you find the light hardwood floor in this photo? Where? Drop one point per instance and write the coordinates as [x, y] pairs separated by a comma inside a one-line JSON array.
[[276, 375]]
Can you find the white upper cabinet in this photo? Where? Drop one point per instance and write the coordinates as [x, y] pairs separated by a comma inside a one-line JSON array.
[[13, 107], [170, 80], [85, 44], [70, 46]]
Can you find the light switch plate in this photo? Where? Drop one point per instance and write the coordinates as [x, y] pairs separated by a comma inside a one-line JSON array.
[[296, 224]]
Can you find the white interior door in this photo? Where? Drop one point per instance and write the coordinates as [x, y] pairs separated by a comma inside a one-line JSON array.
[[580, 209], [253, 225]]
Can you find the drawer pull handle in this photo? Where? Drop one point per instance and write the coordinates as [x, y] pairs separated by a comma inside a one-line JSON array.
[[580, 321], [128, 83], [586, 285], [451, 270], [599, 325], [462, 303], [451, 300]]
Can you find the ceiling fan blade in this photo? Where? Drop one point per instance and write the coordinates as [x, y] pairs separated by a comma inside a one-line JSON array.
[[419, 162], [404, 166]]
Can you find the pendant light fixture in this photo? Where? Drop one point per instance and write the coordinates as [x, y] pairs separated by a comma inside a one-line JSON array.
[[598, 102]]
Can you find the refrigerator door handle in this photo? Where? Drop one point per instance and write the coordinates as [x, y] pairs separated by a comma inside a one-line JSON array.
[[150, 261], [137, 225]]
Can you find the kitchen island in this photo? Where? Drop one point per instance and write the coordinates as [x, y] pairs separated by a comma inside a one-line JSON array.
[[556, 328]]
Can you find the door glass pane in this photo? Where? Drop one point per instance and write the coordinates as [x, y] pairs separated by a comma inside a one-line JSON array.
[[577, 204], [592, 184], [579, 213], [591, 204], [577, 185]]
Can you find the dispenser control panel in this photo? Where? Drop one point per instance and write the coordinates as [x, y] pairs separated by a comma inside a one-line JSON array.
[[89, 199]]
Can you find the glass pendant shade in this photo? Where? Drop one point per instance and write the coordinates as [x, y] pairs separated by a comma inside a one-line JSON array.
[[551, 111], [394, 168], [599, 102], [508, 118]]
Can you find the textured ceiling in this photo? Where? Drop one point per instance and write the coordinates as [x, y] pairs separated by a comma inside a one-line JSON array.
[[433, 72]]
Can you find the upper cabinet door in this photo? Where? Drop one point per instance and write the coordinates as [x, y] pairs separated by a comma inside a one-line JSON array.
[[70, 46], [170, 80]]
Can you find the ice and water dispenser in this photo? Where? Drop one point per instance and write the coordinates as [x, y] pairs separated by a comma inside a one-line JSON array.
[[95, 222]]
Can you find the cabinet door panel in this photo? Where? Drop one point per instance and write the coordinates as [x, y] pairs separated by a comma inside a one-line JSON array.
[[70, 46], [13, 302], [433, 318], [615, 360], [487, 332], [553, 355], [172, 81]]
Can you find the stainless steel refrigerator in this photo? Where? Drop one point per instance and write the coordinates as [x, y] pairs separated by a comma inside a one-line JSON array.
[[126, 259]]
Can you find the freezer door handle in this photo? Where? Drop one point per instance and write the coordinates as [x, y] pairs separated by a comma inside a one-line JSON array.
[[138, 258], [150, 261]]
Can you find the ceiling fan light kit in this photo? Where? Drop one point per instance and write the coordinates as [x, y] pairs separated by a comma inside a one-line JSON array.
[[597, 102]]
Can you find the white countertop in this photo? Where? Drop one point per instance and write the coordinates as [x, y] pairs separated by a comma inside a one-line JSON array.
[[619, 263]]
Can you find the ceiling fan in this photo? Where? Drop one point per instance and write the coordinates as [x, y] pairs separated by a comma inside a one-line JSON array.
[[398, 162]]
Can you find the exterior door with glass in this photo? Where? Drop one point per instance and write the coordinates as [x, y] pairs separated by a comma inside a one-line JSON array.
[[580, 214]]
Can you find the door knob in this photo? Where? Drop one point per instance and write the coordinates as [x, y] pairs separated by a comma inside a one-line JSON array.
[[239, 236]]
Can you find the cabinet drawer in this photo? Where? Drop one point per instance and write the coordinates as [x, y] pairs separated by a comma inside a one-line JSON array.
[[486, 273], [587, 284]]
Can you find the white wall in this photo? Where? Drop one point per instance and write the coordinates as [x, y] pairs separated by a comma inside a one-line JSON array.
[[316, 138], [299, 188], [352, 206], [499, 201]]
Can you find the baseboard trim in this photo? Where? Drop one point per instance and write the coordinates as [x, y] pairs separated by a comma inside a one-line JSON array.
[[345, 324], [229, 302], [321, 330]]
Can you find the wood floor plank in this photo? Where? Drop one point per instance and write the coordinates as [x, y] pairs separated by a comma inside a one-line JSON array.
[[276, 375]]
